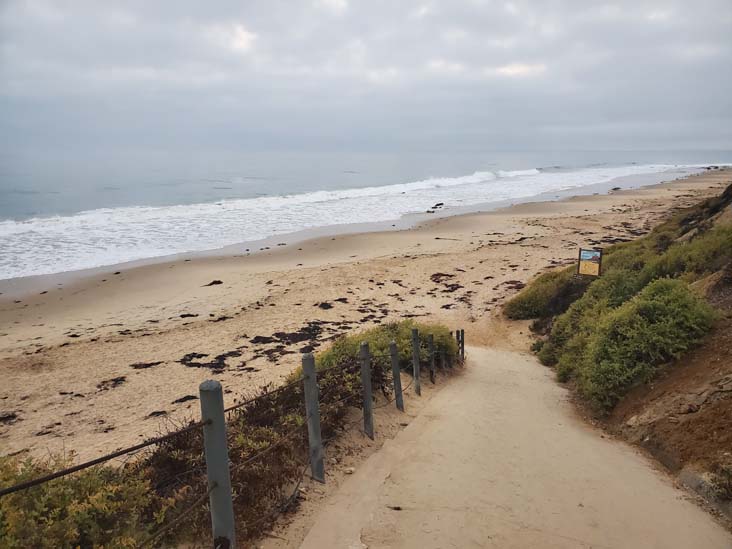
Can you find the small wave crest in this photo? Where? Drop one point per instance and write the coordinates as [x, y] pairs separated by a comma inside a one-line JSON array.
[[518, 173]]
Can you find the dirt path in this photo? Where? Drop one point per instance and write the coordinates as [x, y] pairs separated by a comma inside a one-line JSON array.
[[498, 458]]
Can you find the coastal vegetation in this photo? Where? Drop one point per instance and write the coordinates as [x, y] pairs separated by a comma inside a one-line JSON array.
[[121, 506], [379, 338], [103, 506], [609, 334]]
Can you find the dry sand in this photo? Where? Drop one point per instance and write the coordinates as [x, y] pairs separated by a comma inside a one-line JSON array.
[[99, 362], [498, 458]]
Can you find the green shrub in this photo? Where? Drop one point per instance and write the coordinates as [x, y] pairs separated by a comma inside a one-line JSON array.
[[628, 256], [707, 253], [345, 349], [98, 507], [548, 295], [572, 328], [380, 337], [664, 320]]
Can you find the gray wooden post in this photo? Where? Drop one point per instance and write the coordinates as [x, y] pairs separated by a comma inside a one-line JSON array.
[[449, 357], [415, 361], [431, 346], [217, 463], [312, 410], [368, 411], [459, 345], [443, 358], [396, 375], [462, 344]]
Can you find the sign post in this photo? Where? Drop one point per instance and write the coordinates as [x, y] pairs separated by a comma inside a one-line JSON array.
[[590, 262]]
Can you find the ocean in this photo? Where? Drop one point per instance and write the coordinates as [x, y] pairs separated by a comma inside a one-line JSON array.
[[59, 216]]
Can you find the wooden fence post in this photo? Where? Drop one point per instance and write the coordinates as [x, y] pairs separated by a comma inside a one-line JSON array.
[[431, 347], [462, 344], [396, 375], [217, 464], [368, 412], [415, 361], [312, 411]]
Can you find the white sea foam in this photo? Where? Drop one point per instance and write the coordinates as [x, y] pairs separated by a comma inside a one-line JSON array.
[[109, 236], [516, 173]]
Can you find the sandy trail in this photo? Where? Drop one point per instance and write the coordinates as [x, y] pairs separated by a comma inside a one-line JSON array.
[[498, 458]]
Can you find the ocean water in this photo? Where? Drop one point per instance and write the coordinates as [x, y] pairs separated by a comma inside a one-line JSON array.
[[59, 222]]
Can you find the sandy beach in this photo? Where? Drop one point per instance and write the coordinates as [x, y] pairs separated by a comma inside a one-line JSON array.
[[97, 362]]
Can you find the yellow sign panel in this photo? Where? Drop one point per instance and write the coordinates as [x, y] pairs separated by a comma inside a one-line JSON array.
[[589, 262]]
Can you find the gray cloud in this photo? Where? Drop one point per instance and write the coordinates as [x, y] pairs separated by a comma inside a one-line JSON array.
[[366, 75]]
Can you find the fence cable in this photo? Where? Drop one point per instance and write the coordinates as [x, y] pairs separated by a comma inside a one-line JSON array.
[[289, 435], [64, 472], [178, 476], [177, 520], [393, 398], [264, 395]]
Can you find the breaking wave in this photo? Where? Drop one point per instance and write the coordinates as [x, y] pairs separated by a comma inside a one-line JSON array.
[[114, 235]]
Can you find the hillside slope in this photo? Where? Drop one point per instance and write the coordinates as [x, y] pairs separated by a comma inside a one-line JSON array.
[[646, 346], [684, 417]]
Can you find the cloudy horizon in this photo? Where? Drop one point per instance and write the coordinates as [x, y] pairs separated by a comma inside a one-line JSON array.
[[365, 75]]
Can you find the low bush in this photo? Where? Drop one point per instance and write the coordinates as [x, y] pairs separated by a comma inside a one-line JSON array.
[[98, 507], [705, 254], [663, 321], [379, 338], [548, 295], [581, 318]]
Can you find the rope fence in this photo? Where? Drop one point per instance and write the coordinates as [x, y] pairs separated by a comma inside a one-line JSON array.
[[213, 422], [268, 394], [177, 520], [99, 460]]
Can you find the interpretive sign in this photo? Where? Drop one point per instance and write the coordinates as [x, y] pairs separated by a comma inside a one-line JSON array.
[[590, 262]]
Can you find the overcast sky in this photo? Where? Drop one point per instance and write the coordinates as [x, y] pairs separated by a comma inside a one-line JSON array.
[[370, 75]]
